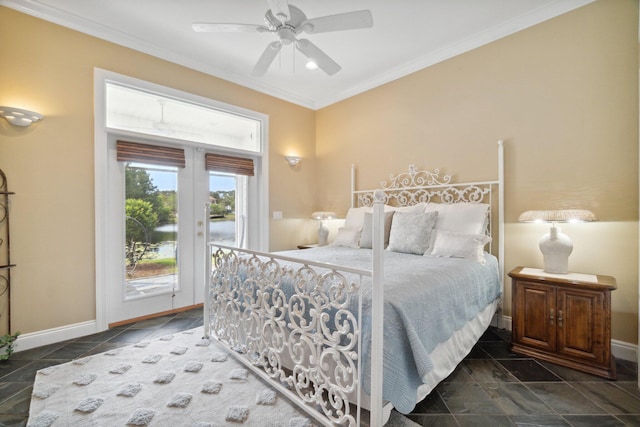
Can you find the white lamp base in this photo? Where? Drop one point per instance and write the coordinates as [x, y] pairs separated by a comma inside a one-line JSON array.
[[556, 248], [323, 234]]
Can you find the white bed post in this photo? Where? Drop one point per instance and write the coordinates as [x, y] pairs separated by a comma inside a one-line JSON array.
[[377, 309], [501, 213], [353, 186]]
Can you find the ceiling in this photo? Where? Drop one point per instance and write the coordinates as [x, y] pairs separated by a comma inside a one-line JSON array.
[[407, 35]]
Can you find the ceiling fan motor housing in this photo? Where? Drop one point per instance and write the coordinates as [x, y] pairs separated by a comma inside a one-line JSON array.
[[296, 17], [286, 34]]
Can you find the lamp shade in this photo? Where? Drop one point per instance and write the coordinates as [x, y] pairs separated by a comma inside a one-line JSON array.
[[558, 215], [324, 215]]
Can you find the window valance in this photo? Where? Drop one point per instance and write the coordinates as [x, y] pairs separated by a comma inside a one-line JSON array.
[[229, 164]]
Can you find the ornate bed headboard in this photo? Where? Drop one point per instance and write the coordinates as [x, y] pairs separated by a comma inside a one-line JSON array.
[[413, 187], [419, 186]]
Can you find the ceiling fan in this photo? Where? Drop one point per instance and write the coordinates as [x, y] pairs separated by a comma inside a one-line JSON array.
[[287, 22]]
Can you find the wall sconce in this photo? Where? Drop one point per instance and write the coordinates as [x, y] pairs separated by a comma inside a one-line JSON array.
[[323, 231], [555, 245], [293, 160], [20, 117]]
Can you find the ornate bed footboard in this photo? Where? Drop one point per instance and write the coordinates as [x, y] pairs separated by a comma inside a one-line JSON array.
[[296, 324]]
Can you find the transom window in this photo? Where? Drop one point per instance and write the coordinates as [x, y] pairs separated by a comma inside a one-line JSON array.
[[150, 113]]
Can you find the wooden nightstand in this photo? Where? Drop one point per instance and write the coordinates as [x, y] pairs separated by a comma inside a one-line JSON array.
[[563, 319]]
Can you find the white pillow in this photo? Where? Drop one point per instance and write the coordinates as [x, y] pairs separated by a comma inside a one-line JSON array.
[[411, 232], [468, 218], [460, 245], [366, 238], [355, 217], [347, 236]]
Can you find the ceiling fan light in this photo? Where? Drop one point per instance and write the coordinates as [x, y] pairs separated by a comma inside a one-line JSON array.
[[311, 65]]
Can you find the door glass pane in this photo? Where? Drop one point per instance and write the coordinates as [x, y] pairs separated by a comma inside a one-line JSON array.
[[222, 210], [151, 217]]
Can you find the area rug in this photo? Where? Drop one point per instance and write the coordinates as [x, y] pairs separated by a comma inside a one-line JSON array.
[[177, 380]]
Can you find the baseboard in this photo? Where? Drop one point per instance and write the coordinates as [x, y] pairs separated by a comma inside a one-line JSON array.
[[501, 322], [77, 330], [620, 349], [624, 351], [54, 335]]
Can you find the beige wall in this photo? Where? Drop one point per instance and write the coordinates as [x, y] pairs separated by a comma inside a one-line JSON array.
[[564, 97], [563, 94], [50, 166]]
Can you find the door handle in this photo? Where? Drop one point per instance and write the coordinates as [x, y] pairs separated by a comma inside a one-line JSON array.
[[560, 318]]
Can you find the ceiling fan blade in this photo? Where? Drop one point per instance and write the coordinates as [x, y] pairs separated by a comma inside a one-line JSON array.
[[314, 53], [266, 59], [280, 9], [211, 27], [342, 21]]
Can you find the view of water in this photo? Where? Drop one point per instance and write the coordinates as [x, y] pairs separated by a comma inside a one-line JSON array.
[[219, 231]]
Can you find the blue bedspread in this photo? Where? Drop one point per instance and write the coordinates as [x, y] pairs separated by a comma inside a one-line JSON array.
[[426, 300]]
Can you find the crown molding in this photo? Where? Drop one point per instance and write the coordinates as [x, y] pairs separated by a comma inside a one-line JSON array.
[[98, 30], [512, 26]]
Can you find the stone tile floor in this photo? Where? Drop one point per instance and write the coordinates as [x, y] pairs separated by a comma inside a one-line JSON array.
[[494, 387], [491, 387]]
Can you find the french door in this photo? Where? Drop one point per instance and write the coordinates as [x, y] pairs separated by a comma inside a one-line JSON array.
[[156, 234], [151, 221]]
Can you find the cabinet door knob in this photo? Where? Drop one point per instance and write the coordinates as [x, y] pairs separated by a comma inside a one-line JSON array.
[[560, 318]]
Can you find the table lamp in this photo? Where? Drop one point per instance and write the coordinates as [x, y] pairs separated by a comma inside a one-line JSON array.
[[323, 231], [555, 245]]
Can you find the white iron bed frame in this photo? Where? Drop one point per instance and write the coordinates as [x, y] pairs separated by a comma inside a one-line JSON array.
[[307, 344]]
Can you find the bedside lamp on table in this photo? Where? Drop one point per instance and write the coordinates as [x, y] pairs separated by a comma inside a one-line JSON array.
[[555, 245], [323, 231]]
